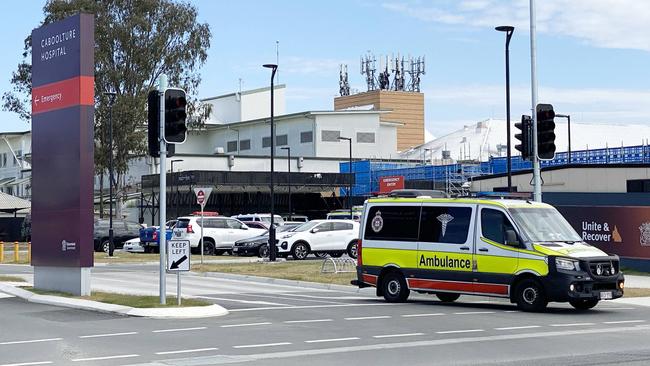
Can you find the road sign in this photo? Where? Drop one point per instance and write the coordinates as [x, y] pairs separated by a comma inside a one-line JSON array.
[[178, 255], [202, 195]]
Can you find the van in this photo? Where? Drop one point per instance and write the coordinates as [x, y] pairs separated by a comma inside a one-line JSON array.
[[517, 249]]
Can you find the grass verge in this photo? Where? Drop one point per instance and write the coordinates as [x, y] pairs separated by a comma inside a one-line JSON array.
[[637, 292], [4, 278], [629, 271], [290, 270], [135, 301]]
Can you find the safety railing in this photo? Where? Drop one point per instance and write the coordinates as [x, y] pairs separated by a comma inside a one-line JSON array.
[[338, 265], [14, 252]]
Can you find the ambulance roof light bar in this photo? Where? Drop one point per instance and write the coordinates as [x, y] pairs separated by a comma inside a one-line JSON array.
[[418, 193]]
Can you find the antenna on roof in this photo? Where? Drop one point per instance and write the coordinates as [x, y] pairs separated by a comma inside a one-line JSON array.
[[368, 68], [344, 85]]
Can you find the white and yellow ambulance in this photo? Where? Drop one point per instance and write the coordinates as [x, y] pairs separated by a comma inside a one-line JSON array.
[[513, 248]]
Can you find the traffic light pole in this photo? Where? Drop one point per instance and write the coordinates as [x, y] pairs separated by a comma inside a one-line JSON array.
[[162, 201], [537, 182]]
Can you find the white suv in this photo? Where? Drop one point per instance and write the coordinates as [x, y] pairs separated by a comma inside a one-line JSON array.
[[265, 218], [333, 237], [219, 233]]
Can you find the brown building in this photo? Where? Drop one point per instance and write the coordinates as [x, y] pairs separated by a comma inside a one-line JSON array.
[[406, 108]]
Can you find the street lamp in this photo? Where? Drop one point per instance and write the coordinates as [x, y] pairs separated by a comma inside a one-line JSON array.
[[111, 100], [288, 175], [174, 184], [272, 247], [568, 120], [349, 140], [508, 29]]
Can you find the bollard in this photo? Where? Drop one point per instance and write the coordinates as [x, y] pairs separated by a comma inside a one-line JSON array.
[[29, 252], [16, 252], [2, 251]]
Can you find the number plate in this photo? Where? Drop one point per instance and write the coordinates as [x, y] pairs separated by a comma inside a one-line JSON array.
[[235, 250], [606, 295]]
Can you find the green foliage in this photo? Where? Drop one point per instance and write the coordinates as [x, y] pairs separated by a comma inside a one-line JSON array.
[[135, 42]]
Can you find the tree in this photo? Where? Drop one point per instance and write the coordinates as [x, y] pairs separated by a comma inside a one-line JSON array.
[[135, 42]]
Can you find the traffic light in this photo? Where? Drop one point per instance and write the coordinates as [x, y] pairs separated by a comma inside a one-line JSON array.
[[175, 115], [525, 147], [153, 128], [545, 132]]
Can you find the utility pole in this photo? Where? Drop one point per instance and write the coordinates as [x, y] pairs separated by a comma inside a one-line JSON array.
[[162, 198], [537, 181]]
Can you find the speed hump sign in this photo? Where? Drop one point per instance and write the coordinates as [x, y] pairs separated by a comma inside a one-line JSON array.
[[202, 195], [178, 255]]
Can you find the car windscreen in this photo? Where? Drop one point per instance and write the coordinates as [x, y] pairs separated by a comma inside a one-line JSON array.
[[182, 223], [544, 224]]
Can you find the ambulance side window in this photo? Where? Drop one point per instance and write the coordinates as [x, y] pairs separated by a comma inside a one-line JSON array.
[[494, 224], [441, 224], [399, 223]]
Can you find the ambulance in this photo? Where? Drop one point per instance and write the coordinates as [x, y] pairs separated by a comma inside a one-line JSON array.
[[517, 249]]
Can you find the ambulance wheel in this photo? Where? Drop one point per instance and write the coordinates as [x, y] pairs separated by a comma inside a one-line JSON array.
[[394, 287], [583, 304], [530, 295], [447, 297]]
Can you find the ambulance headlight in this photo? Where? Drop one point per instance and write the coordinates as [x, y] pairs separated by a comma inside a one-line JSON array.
[[567, 264]]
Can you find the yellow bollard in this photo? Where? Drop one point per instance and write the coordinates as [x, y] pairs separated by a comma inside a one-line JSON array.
[[16, 252], [2, 251], [29, 252]]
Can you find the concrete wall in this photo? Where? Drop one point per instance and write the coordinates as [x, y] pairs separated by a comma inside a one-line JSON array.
[[602, 180], [246, 105], [350, 125]]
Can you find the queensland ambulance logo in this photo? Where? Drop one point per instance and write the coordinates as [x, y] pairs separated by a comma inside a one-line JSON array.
[[377, 222], [645, 234], [444, 220]]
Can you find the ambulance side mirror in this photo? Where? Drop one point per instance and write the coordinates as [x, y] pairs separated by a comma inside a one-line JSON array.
[[511, 238]]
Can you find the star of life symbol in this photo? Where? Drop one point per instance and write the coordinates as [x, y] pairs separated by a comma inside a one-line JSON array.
[[645, 234], [444, 220], [377, 222]]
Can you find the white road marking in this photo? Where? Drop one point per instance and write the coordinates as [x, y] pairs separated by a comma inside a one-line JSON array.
[[187, 351], [625, 321], [108, 335], [329, 297], [292, 298], [242, 301], [308, 321], [474, 312], [263, 345], [369, 317], [512, 311], [398, 335], [103, 358], [245, 325], [613, 308], [313, 306], [522, 327], [419, 315], [332, 340], [32, 341], [571, 324], [461, 331], [177, 330], [28, 363]]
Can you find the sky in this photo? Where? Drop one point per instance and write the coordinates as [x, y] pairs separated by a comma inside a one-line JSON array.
[[593, 56]]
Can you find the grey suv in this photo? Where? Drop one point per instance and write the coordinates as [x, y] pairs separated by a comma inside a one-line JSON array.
[[122, 231]]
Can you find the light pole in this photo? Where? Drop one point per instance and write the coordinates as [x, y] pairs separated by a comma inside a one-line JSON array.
[[568, 120], [288, 148], [349, 140], [272, 247], [174, 184], [111, 101], [508, 30]]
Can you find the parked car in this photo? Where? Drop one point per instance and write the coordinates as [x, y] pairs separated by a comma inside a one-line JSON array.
[[122, 231], [258, 245], [277, 219], [219, 233], [297, 218], [150, 236], [334, 237], [344, 214], [257, 224], [133, 246]]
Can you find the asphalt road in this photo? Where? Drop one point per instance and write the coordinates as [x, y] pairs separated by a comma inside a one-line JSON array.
[[272, 324]]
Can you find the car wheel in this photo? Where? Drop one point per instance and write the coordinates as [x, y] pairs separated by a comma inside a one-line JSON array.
[[352, 249], [583, 304], [394, 288], [530, 295], [300, 251], [263, 251], [208, 248], [447, 296], [106, 246]]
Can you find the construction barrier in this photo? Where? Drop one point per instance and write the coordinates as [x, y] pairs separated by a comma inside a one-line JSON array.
[[2, 251], [16, 252]]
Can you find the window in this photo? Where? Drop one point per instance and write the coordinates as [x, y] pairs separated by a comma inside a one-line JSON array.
[[445, 224], [393, 223], [231, 146], [366, 137], [638, 185], [330, 136], [281, 140], [326, 226], [215, 223], [494, 225], [341, 226], [306, 136], [266, 141], [233, 224], [245, 144]]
